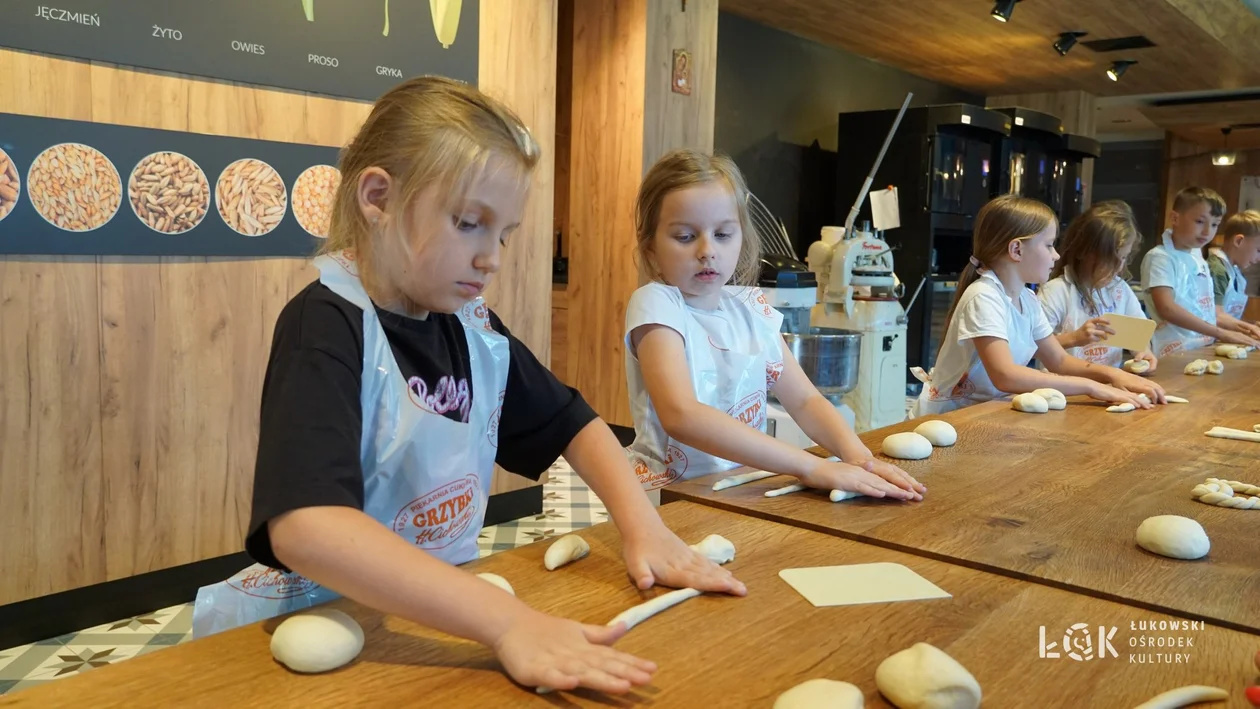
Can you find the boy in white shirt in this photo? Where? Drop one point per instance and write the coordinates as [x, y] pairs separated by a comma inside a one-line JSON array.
[[1176, 281]]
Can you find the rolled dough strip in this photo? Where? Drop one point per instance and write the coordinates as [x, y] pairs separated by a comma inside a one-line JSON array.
[[841, 495], [1182, 696], [1233, 434], [1175, 399], [633, 616], [794, 487], [1121, 408], [741, 479]]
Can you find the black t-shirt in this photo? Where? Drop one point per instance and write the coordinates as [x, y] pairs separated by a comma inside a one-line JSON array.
[[312, 421]]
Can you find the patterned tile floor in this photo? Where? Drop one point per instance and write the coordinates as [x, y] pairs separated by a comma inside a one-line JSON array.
[[567, 505]]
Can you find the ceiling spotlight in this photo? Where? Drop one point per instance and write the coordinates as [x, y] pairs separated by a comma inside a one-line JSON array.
[[1002, 10], [1066, 41], [1118, 68]]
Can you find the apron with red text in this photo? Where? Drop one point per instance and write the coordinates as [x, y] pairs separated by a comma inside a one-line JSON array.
[[425, 476], [1235, 300]]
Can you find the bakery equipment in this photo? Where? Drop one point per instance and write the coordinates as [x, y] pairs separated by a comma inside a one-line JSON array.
[[943, 160]]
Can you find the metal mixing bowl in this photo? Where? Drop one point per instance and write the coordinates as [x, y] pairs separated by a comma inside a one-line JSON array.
[[829, 357]]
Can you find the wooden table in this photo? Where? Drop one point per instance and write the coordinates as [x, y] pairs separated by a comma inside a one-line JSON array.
[[1056, 498], [712, 650]]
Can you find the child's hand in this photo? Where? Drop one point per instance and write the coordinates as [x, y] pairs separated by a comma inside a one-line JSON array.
[[1138, 385], [889, 472], [657, 555], [1094, 330], [1112, 395], [829, 475], [1250, 329], [1149, 357], [1237, 338], [540, 650]]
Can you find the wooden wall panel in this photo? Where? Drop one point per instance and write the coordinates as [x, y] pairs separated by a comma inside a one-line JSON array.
[[673, 120], [1189, 164], [129, 406]]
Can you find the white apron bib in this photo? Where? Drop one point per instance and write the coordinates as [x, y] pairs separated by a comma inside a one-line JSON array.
[[733, 382], [426, 477], [1194, 293], [1235, 300]]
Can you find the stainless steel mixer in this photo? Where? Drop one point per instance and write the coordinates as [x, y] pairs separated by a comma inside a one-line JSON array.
[[829, 357]]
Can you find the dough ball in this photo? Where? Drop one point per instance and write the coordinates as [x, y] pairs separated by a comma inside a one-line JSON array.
[[1231, 351], [499, 581], [568, 548], [317, 641], [907, 446], [1121, 408], [1216, 367], [716, 548], [1030, 404], [923, 677], [939, 433], [1137, 366], [1173, 536], [821, 694], [1196, 368], [1055, 399]]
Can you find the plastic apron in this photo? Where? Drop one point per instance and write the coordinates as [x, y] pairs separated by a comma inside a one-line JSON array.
[[1107, 300], [1235, 300], [728, 381], [975, 386], [1194, 293], [425, 476]]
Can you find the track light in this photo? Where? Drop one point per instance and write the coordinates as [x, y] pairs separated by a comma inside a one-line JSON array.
[[1066, 41], [1118, 68], [1002, 10]]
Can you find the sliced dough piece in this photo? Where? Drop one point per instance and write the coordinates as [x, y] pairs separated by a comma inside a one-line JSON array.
[[939, 433], [1054, 398], [924, 677], [1231, 351], [499, 581], [906, 446], [1121, 408], [716, 548], [1175, 399], [1137, 366], [1182, 696], [842, 495], [1216, 367], [821, 694], [1173, 536], [320, 640], [566, 549], [785, 490], [1030, 403]]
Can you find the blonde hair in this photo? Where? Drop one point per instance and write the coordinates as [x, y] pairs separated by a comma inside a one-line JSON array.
[[681, 169], [1091, 247], [425, 131], [1246, 223], [1003, 220], [1190, 197]]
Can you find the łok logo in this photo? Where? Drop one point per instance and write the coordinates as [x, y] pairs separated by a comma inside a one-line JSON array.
[[1078, 644], [436, 519], [675, 466], [272, 584]]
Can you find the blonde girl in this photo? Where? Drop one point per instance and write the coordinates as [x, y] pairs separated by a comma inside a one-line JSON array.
[[995, 325], [392, 391], [702, 351], [1086, 285]]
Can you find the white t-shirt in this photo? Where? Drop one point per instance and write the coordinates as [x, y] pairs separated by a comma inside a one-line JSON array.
[[985, 310], [1187, 273], [1066, 311], [734, 356]]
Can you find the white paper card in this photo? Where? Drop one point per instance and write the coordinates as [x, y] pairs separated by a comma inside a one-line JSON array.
[[884, 211], [856, 584]]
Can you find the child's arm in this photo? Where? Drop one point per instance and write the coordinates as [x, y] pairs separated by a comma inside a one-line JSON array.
[[662, 356], [652, 552], [348, 551], [1012, 378], [820, 420], [1233, 324], [1056, 360], [1166, 305]]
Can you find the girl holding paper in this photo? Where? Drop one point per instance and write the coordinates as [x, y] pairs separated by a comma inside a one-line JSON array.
[[1086, 285]]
